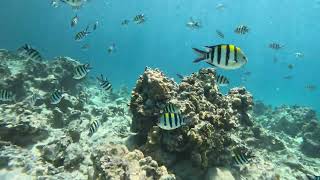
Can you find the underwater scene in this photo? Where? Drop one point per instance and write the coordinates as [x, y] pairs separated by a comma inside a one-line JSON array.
[[159, 90]]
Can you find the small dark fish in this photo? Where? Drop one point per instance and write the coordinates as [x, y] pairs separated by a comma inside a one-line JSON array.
[[312, 177], [82, 34], [111, 48], [241, 158], [56, 96], [288, 77], [179, 76], [104, 83], [139, 19], [7, 95], [85, 47], [220, 34], [95, 25], [93, 127], [28, 52], [241, 29], [275, 46], [222, 80], [125, 22], [81, 71], [74, 21], [290, 66], [311, 87], [193, 24]]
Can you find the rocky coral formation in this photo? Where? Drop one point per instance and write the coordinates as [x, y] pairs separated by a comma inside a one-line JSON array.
[[116, 162]]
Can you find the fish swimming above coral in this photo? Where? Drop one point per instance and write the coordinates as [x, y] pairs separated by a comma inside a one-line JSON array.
[[56, 96], [222, 80], [82, 34], [104, 83], [28, 52], [6, 95], [170, 118], [180, 76], [241, 158], [94, 125], [81, 71], [225, 56]]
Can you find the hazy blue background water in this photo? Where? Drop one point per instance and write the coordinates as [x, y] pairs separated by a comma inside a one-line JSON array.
[[165, 42]]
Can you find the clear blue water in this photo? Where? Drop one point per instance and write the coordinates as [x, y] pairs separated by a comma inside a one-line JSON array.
[[165, 42]]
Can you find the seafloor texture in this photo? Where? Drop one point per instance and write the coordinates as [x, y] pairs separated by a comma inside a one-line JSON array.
[[48, 141]]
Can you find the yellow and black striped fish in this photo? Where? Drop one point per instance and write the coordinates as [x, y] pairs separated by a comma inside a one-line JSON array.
[[242, 29], [225, 56], [93, 127], [222, 80], [171, 108], [170, 121], [275, 46], [7, 95], [57, 96], [104, 83]]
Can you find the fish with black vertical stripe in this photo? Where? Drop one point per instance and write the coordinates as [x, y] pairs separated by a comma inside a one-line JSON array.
[[6, 95], [275, 46], [81, 71], [56, 96], [225, 56], [222, 80], [220, 34], [82, 34], [94, 125], [28, 52], [312, 177], [104, 83], [241, 29], [171, 118], [241, 158]]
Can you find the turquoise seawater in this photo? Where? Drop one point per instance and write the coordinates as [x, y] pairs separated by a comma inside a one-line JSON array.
[[164, 40]]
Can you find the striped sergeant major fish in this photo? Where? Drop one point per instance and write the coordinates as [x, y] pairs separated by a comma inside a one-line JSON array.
[[241, 158], [94, 125], [170, 121], [241, 29], [104, 83], [74, 21], [220, 34], [57, 96], [81, 71], [139, 19], [222, 80], [225, 56], [28, 52], [6, 95], [275, 46], [82, 34], [171, 108], [312, 177], [75, 4]]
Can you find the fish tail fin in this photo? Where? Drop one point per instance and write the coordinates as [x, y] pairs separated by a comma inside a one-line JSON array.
[[201, 55]]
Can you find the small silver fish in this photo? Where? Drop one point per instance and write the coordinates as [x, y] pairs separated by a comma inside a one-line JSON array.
[[81, 71], [54, 3], [74, 21], [299, 55], [75, 4], [275, 46], [111, 48], [6, 95], [139, 19], [220, 6], [193, 24], [220, 34], [125, 22], [241, 29]]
